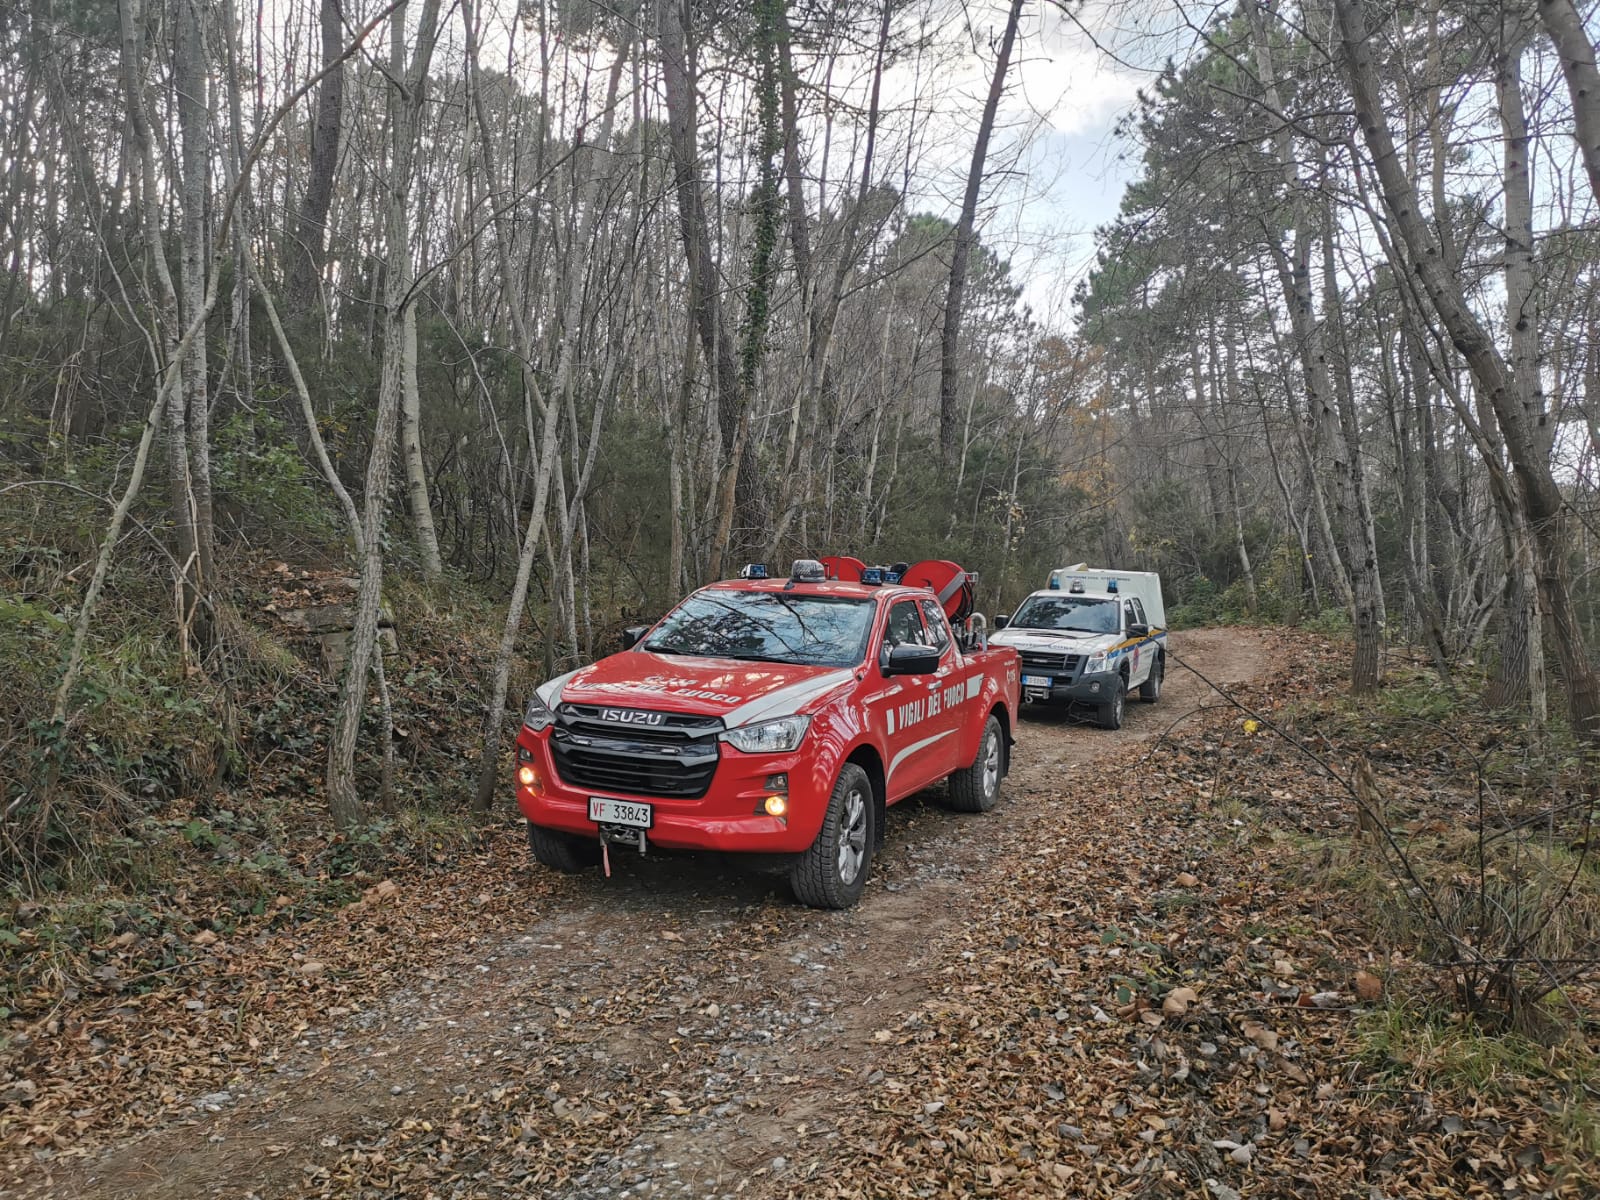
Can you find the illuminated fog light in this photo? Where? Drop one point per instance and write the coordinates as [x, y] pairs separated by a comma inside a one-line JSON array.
[[776, 806], [527, 776]]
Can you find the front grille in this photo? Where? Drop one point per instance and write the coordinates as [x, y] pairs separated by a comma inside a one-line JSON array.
[[1058, 664], [673, 760], [674, 729]]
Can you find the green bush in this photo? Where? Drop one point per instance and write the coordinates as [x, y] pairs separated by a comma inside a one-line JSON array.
[[259, 472]]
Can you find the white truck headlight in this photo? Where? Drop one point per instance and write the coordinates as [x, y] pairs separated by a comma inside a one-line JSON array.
[[538, 716], [1098, 662], [768, 737]]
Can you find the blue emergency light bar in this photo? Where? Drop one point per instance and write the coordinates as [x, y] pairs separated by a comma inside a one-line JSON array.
[[872, 576], [891, 576], [1111, 585], [753, 571]]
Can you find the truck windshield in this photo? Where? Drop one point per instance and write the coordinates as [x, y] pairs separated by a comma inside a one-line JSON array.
[[815, 631], [1068, 613]]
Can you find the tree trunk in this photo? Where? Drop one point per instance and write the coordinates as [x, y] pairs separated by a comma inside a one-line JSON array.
[[344, 800], [417, 499], [1302, 538], [307, 255], [1403, 393], [190, 79], [1573, 43], [1231, 473], [1520, 675], [704, 286], [676, 419], [950, 336], [1356, 520], [176, 352]]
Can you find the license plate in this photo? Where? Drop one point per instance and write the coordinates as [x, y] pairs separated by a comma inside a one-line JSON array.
[[619, 812], [1036, 681]]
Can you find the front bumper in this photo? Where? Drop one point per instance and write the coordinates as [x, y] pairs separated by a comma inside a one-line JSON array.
[[729, 817], [1087, 688]]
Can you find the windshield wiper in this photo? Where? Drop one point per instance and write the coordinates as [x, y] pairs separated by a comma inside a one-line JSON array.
[[685, 652]]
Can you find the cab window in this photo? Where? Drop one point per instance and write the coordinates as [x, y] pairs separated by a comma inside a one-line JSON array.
[[904, 626], [938, 634], [1128, 617], [1138, 611]]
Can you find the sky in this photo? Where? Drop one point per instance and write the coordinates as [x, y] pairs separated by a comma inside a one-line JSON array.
[[1070, 82]]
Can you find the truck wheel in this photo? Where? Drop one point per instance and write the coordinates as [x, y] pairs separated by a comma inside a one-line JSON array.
[[1150, 689], [977, 788], [562, 852], [834, 870], [1112, 710]]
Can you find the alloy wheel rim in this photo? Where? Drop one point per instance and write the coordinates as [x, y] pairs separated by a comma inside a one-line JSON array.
[[853, 837], [991, 764]]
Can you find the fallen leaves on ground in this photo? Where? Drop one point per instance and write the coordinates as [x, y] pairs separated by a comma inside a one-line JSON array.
[[1266, 1088]]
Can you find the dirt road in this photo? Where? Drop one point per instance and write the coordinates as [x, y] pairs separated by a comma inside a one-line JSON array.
[[741, 1017]]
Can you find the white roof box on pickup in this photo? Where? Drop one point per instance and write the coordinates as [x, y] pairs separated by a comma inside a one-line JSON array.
[[1144, 584]]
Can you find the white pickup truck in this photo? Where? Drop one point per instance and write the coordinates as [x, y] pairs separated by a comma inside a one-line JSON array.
[[1089, 638]]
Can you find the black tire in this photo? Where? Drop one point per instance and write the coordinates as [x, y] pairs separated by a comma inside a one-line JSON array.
[[1150, 689], [564, 852], [834, 870], [977, 788], [1113, 710]]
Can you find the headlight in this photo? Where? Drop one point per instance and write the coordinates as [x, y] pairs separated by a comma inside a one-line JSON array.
[[768, 737], [1097, 663], [538, 715]]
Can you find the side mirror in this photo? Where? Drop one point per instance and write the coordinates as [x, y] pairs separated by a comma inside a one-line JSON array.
[[912, 660], [633, 635], [1136, 630], [1001, 620]]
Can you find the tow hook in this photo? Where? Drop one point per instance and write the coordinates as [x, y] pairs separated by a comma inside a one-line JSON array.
[[623, 835]]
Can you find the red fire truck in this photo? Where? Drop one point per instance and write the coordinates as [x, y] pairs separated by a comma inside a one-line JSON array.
[[775, 717]]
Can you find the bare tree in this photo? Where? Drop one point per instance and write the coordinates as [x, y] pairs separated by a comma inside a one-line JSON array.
[[406, 83], [705, 291], [961, 250], [1495, 380]]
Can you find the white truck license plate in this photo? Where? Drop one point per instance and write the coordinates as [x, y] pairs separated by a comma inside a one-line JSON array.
[[1036, 681], [619, 812]]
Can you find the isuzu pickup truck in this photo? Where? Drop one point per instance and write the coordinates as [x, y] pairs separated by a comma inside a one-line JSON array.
[[1090, 638], [776, 717]]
